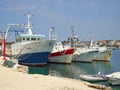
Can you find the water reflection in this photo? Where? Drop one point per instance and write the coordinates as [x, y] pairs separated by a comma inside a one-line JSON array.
[[61, 70], [38, 70], [74, 69], [104, 67], [115, 60]]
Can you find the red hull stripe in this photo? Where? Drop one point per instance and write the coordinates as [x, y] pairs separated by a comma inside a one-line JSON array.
[[64, 52]]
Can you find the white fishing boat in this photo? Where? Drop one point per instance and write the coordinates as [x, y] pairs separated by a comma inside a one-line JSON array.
[[60, 53], [81, 54], [93, 78], [114, 78], [84, 55], [104, 54], [29, 48]]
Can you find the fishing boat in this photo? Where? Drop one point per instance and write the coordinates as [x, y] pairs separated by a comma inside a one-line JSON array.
[[114, 78], [81, 54], [84, 55], [60, 53], [93, 78], [103, 55], [29, 48]]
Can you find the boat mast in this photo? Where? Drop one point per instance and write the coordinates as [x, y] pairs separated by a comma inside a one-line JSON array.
[[72, 38], [91, 40], [52, 34], [29, 25]]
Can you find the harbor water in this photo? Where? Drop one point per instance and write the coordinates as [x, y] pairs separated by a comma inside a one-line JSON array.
[[74, 69]]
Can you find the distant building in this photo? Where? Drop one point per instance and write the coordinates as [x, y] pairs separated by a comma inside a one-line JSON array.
[[102, 42], [117, 44]]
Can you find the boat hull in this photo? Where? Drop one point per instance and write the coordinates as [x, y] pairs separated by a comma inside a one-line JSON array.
[[32, 53], [114, 81], [92, 78], [103, 56], [64, 56], [85, 57], [113, 78], [34, 59]]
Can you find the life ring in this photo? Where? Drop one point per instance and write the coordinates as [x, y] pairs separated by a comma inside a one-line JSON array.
[[63, 52]]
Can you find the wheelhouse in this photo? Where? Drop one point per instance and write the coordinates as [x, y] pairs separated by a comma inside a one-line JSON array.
[[34, 37]]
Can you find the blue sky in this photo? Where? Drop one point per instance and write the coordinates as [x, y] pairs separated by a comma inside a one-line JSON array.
[[100, 17]]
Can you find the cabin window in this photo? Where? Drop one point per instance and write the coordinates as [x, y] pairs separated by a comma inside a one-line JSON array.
[[38, 39], [16, 40], [19, 40], [28, 39], [33, 39], [23, 39]]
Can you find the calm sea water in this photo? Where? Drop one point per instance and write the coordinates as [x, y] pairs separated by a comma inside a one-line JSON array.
[[76, 68]]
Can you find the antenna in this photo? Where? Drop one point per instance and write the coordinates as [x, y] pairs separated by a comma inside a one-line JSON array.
[[72, 38], [91, 39], [29, 25], [53, 28], [52, 34], [72, 31]]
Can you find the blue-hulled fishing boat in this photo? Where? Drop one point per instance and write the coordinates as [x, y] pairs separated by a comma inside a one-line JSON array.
[[31, 49]]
